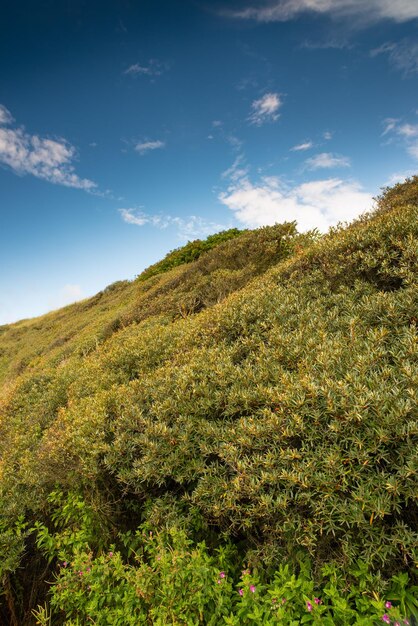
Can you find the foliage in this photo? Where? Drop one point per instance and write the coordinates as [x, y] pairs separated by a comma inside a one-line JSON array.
[[165, 578], [231, 259], [401, 194], [190, 252], [261, 397]]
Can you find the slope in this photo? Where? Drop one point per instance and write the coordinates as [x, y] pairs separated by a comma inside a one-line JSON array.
[[282, 416]]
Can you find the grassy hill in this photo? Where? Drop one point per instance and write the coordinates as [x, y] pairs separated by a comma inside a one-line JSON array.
[[258, 394]]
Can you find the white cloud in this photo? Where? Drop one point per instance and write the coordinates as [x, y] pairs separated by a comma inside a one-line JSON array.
[[402, 55], [408, 130], [147, 146], [328, 135], [237, 170], [327, 160], [49, 159], [152, 68], [318, 204], [5, 115], [390, 124], [191, 227], [195, 227], [307, 145], [399, 177], [364, 10], [265, 109], [139, 218], [408, 134]]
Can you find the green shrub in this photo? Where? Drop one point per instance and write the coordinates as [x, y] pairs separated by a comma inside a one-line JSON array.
[[267, 389], [165, 578]]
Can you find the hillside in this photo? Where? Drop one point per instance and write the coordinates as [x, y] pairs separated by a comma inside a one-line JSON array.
[[188, 280], [260, 397]]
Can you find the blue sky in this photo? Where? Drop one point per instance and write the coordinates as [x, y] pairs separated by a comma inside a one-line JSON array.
[[128, 128]]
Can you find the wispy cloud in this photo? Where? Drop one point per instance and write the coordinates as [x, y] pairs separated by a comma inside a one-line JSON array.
[[238, 169], [319, 204], [399, 177], [390, 123], [327, 160], [5, 115], [266, 109], [403, 55], [327, 44], [49, 159], [300, 147], [191, 227], [151, 68], [139, 218], [406, 133], [148, 146], [370, 11], [327, 135]]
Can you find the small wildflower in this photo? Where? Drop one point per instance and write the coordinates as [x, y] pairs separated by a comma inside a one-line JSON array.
[[65, 564], [80, 573], [396, 624], [219, 581], [386, 618], [309, 606], [110, 554], [317, 601], [388, 604], [241, 592], [252, 588], [406, 621], [222, 574], [274, 600], [245, 572], [283, 600]]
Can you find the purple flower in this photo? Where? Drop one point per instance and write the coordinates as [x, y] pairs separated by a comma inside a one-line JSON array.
[[309, 606], [317, 601], [65, 564], [110, 553], [241, 592], [386, 618], [222, 574], [406, 621], [388, 604], [396, 624], [252, 588]]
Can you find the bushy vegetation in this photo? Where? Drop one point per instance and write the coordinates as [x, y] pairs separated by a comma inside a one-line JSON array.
[[252, 410], [190, 252], [178, 289]]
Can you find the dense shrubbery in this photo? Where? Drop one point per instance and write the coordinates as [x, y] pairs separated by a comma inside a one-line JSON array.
[[282, 422], [176, 289], [190, 252], [165, 578]]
